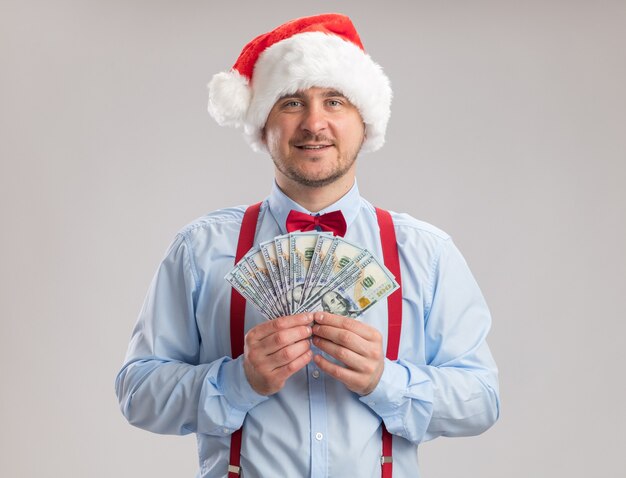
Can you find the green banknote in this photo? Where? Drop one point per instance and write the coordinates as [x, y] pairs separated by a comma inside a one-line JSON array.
[[311, 271]]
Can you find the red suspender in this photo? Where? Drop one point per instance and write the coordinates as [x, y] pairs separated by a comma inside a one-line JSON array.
[[394, 307], [237, 302], [394, 301], [394, 314], [237, 321]]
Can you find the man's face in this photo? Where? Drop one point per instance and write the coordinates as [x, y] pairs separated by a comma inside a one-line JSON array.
[[314, 136], [335, 304]]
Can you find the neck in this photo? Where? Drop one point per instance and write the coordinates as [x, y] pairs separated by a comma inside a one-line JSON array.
[[314, 199]]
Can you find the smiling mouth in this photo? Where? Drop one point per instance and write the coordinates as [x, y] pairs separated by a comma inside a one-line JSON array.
[[313, 147]]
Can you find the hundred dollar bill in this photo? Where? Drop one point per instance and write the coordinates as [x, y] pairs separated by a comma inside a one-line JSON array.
[[282, 254], [241, 285], [339, 255], [323, 246], [358, 292], [348, 274], [302, 248], [311, 271], [255, 260], [268, 250], [262, 293]]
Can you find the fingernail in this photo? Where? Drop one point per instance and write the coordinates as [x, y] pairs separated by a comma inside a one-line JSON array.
[[319, 317]]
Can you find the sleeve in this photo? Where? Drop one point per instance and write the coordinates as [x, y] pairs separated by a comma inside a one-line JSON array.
[[162, 387], [456, 392]]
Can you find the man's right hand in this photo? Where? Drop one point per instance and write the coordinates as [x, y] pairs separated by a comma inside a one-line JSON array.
[[275, 350]]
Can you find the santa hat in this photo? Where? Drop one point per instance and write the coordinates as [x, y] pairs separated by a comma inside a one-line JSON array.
[[322, 51]]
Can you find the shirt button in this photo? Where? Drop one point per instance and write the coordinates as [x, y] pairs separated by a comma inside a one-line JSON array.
[[318, 436], [226, 431], [316, 374]]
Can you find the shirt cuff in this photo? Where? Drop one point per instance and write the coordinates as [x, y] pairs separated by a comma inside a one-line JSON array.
[[403, 400], [236, 388], [389, 393], [397, 385]]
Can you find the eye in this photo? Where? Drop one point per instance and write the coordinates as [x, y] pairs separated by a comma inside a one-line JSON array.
[[292, 104], [334, 103]]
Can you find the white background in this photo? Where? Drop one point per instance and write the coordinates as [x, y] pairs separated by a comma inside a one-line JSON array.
[[508, 131]]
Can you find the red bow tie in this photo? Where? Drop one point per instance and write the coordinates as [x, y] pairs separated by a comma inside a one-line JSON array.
[[332, 221]]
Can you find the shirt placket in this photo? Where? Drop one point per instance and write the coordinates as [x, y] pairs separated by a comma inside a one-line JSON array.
[[319, 422]]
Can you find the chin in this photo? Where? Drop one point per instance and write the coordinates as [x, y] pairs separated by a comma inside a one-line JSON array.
[[316, 181]]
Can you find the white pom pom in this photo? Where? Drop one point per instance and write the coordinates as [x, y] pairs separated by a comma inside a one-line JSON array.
[[229, 98]]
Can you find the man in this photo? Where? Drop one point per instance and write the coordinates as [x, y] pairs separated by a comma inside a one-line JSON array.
[[312, 393]]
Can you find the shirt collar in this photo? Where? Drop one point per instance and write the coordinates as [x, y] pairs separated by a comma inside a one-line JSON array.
[[280, 205]]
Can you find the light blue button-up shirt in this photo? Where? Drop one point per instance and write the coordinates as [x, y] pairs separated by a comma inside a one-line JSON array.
[[178, 376]]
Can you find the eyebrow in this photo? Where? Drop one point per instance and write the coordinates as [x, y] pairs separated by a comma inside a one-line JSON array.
[[331, 93], [300, 95]]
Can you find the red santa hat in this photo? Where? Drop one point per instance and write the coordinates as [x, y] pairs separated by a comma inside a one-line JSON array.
[[322, 51]]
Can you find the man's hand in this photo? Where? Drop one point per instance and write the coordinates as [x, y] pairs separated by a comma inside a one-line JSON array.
[[275, 350], [357, 345]]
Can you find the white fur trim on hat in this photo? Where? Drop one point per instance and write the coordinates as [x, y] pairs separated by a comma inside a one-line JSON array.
[[229, 98]]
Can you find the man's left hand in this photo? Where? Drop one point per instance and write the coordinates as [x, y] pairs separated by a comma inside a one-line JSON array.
[[357, 345]]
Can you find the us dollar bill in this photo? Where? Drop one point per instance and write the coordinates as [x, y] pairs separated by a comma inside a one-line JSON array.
[[241, 285], [358, 291], [349, 272], [322, 248], [282, 253], [256, 286], [256, 261], [310, 271], [302, 249], [340, 254], [268, 250]]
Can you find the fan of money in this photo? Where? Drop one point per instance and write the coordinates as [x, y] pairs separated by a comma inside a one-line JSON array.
[[311, 271]]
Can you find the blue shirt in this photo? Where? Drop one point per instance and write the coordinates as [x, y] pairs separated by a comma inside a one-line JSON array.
[[178, 376]]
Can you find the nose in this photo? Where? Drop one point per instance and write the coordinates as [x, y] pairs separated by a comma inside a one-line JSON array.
[[314, 119]]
